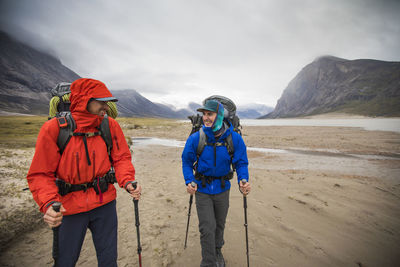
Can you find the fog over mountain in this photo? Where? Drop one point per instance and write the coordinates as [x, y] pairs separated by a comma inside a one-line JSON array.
[[368, 87], [27, 75]]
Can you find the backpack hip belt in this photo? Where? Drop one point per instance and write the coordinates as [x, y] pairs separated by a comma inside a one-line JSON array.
[[99, 184], [208, 179]]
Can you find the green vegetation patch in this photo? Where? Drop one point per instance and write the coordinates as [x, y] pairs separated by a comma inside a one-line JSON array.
[[20, 131], [388, 107]]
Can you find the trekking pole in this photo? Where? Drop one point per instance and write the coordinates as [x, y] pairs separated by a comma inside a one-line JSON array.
[[245, 223], [137, 223], [56, 207], [193, 184]]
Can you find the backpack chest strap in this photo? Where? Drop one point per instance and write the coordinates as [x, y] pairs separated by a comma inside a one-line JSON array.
[[85, 135]]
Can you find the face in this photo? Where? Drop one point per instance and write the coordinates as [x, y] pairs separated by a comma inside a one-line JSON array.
[[97, 107], [209, 118]]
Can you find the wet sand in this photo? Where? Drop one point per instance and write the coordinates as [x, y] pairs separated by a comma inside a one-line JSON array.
[[329, 196]]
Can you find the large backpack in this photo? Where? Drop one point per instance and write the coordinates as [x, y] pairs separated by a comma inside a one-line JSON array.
[[229, 116], [59, 108]]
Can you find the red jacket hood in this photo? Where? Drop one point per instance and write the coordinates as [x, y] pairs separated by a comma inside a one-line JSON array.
[[82, 90]]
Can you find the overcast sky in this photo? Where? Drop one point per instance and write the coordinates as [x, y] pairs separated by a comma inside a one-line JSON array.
[[176, 51]]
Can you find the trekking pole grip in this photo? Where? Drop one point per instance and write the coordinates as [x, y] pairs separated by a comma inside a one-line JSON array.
[[243, 181], [56, 206], [134, 184]]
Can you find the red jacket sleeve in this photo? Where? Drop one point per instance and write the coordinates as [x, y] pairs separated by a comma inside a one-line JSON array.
[[41, 174], [121, 155]]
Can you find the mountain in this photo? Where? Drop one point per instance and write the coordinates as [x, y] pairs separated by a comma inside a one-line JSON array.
[[193, 107], [132, 104], [27, 76], [253, 111], [331, 84], [249, 111]]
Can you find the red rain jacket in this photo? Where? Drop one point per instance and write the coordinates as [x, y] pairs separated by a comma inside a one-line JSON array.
[[72, 166]]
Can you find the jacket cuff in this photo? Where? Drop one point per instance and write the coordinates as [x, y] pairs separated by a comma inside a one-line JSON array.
[[48, 205], [126, 184]]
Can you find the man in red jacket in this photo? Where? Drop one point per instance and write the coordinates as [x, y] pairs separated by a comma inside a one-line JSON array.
[[84, 174]]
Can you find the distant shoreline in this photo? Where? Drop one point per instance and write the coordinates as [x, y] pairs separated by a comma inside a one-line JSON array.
[[6, 113]]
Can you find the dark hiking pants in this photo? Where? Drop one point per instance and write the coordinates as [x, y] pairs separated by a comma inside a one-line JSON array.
[[102, 222], [211, 211]]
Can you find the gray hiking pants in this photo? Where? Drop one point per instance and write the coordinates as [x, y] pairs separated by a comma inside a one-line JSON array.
[[211, 211]]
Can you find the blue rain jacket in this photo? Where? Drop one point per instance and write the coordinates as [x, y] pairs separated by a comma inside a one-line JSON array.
[[210, 166]]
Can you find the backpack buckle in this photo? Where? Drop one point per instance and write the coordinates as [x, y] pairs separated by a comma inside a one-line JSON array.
[[62, 122]]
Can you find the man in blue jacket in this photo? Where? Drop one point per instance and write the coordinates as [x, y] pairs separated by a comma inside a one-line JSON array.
[[211, 172]]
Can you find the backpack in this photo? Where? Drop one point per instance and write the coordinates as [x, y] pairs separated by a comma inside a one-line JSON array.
[[59, 99], [229, 116], [59, 108]]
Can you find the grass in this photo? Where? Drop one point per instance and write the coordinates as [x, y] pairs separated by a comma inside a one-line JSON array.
[[22, 131]]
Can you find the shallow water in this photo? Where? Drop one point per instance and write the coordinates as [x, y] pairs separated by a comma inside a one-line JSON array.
[[145, 141], [370, 124]]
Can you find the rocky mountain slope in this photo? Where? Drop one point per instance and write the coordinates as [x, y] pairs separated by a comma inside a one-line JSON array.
[[330, 84], [26, 77], [132, 104]]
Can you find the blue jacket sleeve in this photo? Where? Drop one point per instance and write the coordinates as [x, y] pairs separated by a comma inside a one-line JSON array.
[[189, 157], [240, 158]]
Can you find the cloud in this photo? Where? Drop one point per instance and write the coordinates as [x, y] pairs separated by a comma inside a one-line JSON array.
[[180, 51]]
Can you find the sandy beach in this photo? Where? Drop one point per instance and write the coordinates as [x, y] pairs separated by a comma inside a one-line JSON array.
[[321, 196]]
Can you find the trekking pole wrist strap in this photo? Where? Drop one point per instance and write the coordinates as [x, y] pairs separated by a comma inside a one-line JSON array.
[[126, 185]]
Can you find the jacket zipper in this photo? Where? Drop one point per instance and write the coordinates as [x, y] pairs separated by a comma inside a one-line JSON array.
[[94, 165], [77, 166]]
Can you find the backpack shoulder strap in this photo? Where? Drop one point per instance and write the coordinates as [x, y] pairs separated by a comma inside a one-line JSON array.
[[231, 149], [202, 142], [106, 134], [67, 126], [197, 122], [229, 145]]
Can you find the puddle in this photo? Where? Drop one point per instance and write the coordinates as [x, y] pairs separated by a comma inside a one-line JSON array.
[[267, 150], [145, 141]]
